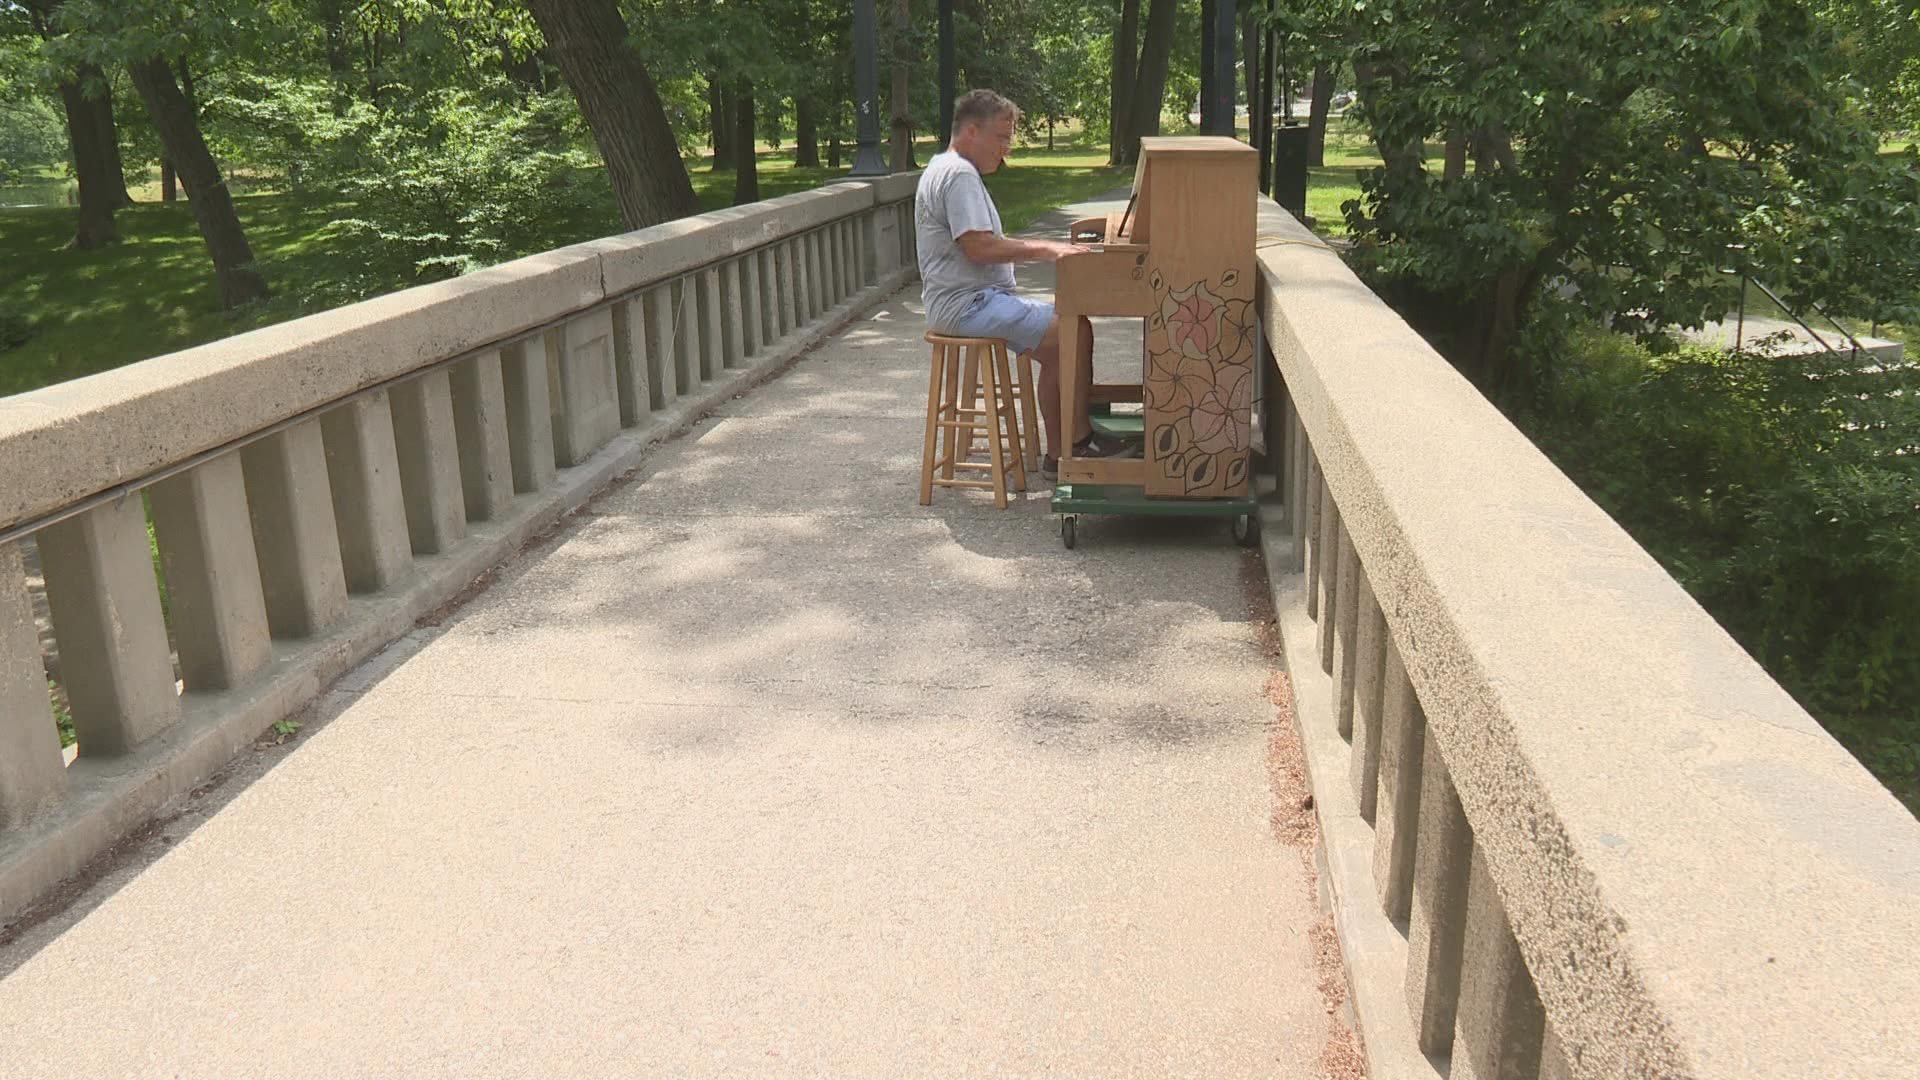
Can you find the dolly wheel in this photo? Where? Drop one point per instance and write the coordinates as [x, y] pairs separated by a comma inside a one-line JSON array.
[[1067, 531], [1246, 530]]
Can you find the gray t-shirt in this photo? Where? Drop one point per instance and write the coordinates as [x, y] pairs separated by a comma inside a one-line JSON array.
[[950, 202]]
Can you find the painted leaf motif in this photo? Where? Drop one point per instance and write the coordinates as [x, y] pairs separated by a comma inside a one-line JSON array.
[[1237, 471], [1201, 470], [1236, 332]]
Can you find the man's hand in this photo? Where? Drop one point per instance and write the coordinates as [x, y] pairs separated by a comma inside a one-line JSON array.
[[984, 247], [1054, 250]]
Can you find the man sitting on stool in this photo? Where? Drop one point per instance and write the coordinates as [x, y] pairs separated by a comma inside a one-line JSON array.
[[966, 267]]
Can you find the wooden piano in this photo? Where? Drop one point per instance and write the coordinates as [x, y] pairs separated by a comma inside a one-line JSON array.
[[1180, 256]]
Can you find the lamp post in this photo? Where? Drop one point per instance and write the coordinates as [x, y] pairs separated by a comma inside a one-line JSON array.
[[1217, 26], [866, 94]]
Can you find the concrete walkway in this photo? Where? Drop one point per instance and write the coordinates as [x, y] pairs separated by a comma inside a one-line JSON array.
[[757, 768]]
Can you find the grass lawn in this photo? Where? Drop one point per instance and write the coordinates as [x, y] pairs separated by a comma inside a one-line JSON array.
[[153, 292]]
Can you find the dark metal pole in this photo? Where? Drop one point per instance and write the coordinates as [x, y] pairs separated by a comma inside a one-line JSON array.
[[947, 74], [1226, 37], [867, 160], [1218, 33], [1265, 120], [1208, 121]]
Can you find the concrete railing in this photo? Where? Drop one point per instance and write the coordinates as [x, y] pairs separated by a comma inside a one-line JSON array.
[[315, 487], [1571, 829]]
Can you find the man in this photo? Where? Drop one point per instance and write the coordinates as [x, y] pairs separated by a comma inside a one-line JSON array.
[[966, 267]]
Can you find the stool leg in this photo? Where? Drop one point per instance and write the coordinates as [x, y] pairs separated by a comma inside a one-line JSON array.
[[994, 432], [936, 368], [1009, 429], [950, 411], [1029, 413], [970, 398]]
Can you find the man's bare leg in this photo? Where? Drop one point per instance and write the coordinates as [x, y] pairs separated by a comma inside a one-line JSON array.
[[1047, 354]]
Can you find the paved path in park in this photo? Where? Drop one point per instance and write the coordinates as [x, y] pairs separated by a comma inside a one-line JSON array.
[[756, 768]]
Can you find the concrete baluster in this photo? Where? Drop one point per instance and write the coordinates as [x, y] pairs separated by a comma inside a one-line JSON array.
[[631, 378], [1346, 633], [523, 373], [1396, 824], [771, 328], [663, 387], [586, 401], [114, 657], [480, 430], [1316, 550], [1299, 512], [1500, 1025], [797, 284], [295, 538], [1369, 684], [216, 604], [872, 233], [686, 337], [1333, 537], [1437, 920], [856, 274], [33, 777], [428, 448], [738, 289], [820, 240], [1553, 1058], [369, 507], [712, 326]]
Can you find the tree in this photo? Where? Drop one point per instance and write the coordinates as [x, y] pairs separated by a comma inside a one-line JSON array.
[[746, 177], [1317, 114], [239, 280], [1150, 79], [1621, 157], [1126, 54], [621, 106], [902, 127], [86, 98]]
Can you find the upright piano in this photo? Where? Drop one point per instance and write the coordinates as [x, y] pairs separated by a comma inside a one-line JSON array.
[[1180, 256]]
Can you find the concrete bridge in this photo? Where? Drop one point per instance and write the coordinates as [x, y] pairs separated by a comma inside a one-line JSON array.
[[646, 726]]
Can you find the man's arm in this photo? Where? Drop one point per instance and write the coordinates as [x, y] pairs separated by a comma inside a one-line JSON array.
[[983, 247]]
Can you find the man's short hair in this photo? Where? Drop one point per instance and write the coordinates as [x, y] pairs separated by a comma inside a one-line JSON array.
[[980, 107]]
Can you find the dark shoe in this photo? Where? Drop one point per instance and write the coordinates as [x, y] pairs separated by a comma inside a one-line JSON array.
[[1098, 445], [1050, 469]]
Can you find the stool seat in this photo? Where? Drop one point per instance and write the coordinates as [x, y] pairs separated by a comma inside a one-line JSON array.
[[960, 370]]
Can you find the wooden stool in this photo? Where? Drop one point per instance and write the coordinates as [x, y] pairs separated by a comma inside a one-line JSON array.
[[1026, 416], [954, 406]]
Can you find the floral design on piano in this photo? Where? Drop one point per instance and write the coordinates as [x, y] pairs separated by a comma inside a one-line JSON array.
[[1200, 371]]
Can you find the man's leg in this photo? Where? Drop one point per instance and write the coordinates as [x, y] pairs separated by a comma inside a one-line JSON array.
[[1047, 354]]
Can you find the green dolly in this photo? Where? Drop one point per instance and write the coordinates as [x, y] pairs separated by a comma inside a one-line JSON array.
[[1072, 500]]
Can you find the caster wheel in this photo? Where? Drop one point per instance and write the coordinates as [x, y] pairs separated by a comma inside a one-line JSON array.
[[1067, 532], [1246, 530]]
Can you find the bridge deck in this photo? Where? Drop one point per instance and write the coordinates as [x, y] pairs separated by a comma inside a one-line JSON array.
[[756, 768]]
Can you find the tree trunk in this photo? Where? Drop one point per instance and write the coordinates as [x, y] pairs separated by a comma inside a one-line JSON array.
[[1456, 166], [621, 107], [833, 151], [806, 136], [92, 165], [902, 118], [1150, 81], [1317, 115], [746, 180], [333, 23], [169, 183], [720, 122], [1126, 53], [233, 266]]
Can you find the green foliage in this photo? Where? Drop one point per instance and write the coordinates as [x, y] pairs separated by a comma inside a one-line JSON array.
[[62, 716], [16, 326], [469, 182], [1784, 493], [33, 139], [1620, 155]]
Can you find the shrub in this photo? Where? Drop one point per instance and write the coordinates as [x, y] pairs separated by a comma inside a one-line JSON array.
[[1784, 493]]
